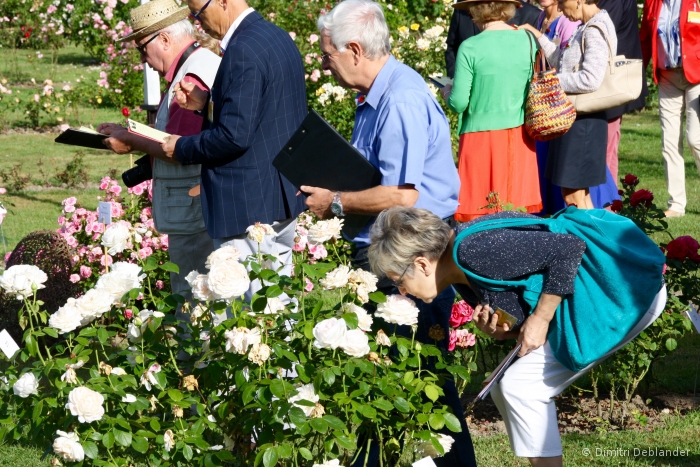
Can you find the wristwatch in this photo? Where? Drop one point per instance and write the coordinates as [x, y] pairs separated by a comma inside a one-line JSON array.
[[336, 205]]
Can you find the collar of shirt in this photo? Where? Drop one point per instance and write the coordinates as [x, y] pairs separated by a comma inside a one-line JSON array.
[[171, 71], [380, 84], [232, 29]]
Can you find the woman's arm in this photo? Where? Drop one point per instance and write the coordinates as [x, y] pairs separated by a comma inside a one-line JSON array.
[[550, 49], [460, 93], [533, 333], [595, 63]]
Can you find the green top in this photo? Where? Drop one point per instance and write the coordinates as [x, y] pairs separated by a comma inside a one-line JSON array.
[[492, 77]]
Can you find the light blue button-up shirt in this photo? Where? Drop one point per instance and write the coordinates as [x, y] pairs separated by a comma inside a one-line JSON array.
[[669, 45], [402, 130]]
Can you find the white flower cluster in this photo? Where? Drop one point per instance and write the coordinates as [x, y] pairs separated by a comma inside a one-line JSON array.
[[358, 280], [333, 333], [116, 238], [325, 92], [398, 309], [227, 278], [139, 324], [86, 404], [258, 231], [239, 340], [305, 393], [110, 288], [322, 231], [426, 447], [68, 446], [22, 279]]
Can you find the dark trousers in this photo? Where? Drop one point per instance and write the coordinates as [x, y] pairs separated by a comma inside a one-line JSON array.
[[437, 312]]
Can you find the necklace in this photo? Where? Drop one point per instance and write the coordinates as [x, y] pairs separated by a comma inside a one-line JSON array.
[[492, 23], [547, 22]]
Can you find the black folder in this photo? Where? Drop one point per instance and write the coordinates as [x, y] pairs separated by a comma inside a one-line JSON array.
[[495, 377], [82, 138], [317, 155]]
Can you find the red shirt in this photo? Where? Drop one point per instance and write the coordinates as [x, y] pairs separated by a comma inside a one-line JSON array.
[[181, 121], [690, 37]]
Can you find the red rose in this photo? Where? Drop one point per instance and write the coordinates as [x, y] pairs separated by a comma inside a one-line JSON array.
[[616, 206], [461, 313], [26, 35], [620, 192], [642, 196], [630, 180], [682, 248], [125, 112]]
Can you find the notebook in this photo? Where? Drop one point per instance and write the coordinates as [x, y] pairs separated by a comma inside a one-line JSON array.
[[317, 155], [83, 136], [495, 377]]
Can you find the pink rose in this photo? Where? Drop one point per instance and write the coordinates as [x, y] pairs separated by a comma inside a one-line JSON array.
[[309, 285], [74, 278], [106, 260], [145, 252], [69, 201], [461, 313], [318, 251], [159, 285], [69, 208], [128, 313], [463, 338], [71, 241], [116, 189], [61, 220], [3, 191], [313, 38], [85, 272], [452, 342], [315, 75]]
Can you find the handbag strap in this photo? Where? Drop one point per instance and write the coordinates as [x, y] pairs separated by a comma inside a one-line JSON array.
[[496, 285], [607, 40], [539, 61]]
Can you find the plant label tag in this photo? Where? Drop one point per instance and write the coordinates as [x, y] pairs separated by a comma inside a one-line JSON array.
[[692, 313], [425, 462], [7, 344], [104, 212]]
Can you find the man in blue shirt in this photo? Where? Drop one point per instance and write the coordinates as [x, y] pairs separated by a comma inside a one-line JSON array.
[[402, 130]]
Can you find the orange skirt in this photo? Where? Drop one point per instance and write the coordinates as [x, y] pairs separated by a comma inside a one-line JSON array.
[[502, 161]]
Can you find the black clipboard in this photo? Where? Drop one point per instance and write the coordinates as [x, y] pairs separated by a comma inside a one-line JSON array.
[[495, 377], [317, 155], [82, 138]]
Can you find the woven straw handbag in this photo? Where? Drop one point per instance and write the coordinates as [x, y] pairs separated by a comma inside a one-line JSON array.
[[548, 112], [622, 82]]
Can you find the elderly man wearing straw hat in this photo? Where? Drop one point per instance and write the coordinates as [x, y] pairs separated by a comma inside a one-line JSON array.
[[166, 41]]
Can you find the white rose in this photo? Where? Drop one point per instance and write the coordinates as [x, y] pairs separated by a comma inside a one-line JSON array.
[[356, 343], [305, 393], [93, 305], [330, 333], [67, 318], [121, 278], [330, 463], [336, 278], [168, 440], [364, 319], [274, 305], [427, 448], [225, 253], [322, 231], [200, 287], [70, 376], [238, 340], [18, 280], [398, 309], [147, 378], [228, 280], [26, 386], [116, 238], [259, 353], [86, 404], [129, 398], [68, 446], [362, 283], [382, 339], [139, 324], [257, 232]]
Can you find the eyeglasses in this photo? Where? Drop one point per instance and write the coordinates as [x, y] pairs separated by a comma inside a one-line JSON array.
[[325, 58], [398, 282], [142, 48], [196, 16]]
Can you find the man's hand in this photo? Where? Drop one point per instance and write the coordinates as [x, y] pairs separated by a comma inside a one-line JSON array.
[[319, 201], [109, 128], [118, 142], [189, 96], [533, 334], [488, 323], [169, 146]]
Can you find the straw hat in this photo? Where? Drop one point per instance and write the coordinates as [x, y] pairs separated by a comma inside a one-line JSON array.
[[462, 5], [154, 16]]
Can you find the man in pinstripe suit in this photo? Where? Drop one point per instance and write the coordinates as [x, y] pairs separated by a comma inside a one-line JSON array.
[[256, 103]]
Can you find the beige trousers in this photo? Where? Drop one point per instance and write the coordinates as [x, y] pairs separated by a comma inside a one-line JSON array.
[[675, 94]]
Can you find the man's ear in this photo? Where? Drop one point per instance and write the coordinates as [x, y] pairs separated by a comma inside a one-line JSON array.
[[356, 50]]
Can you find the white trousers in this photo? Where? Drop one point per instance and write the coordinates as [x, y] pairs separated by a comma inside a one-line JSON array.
[[675, 93], [524, 395]]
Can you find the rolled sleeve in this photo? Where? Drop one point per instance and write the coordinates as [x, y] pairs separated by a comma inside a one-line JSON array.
[[402, 144]]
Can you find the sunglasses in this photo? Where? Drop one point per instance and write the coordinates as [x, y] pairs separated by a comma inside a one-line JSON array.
[[195, 16], [142, 48]]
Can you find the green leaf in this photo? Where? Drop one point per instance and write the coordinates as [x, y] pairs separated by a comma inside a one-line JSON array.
[[187, 450], [122, 437], [319, 425], [51, 332], [452, 423], [102, 335], [383, 404], [306, 454], [329, 376], [155, 425], [151, 264], [432, 392], [91, 450], [108, 440], [402, 405], [351, 320], [297, 416], [345, 442], [377, 297], [139, 444], [335, 423], [436, 421], [175, 395], [170, 267], [367, 411], [671, 344], [270, 457], [408, 377], [273, 291], [281, 388], [36, 413]]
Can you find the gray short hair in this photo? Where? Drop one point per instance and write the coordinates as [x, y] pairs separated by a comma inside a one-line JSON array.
[[400, 235], [179, 31], [360, 21]]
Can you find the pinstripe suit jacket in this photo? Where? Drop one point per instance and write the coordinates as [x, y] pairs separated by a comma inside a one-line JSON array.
[[259, 100]]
